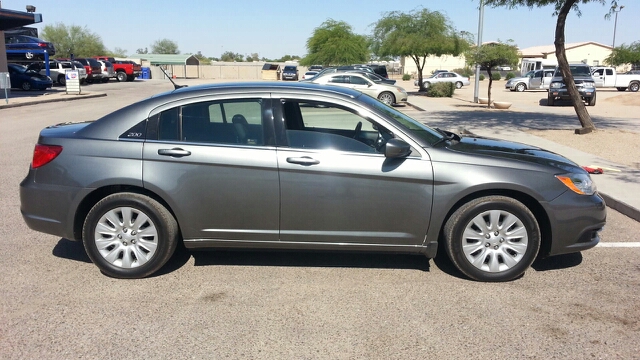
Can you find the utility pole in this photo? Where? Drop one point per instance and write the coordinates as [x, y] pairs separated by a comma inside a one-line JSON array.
[[476, 89], [615, 24]]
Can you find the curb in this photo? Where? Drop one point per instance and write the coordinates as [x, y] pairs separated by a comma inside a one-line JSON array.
[[621, 207], [415, 106], [56, 99]]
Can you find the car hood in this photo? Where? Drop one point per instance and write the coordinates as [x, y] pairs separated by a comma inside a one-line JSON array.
[[512, 150], [519, 78]]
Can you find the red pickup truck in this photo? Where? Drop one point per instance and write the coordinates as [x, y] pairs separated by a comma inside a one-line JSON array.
[[125, 70]]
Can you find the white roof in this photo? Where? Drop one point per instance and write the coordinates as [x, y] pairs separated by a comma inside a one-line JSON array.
[[542, 51]]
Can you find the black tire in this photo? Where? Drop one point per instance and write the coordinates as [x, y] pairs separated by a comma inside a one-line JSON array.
[[520, 87], [622, 89], [387, 98], [105, 80], [160, 229], [26, 86], [634, 86], [458, 85], [121, 76], [592, 101], [62, 80], [491, 252], [550, 100]]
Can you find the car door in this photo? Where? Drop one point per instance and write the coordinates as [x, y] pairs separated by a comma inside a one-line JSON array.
[[598, 77], [535, 82], [338, 188], [214, 162], [363, 85]]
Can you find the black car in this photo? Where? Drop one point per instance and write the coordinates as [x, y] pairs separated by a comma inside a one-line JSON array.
[[28, 78], [380, 70], [27, 48], [290, 72]]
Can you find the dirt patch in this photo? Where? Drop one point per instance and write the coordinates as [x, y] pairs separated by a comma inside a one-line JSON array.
[[628, 99], [619, 146]]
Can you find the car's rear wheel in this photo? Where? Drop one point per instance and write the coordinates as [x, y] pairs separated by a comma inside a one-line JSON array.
[[521, 87], [26, 86], [634, 86], [128, 235], [62, 80], [458, 85], [426, 84], [387, 98], [121, 76], [492, 238]]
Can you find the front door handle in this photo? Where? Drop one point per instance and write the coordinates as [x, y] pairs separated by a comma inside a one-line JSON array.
[[305, 160], [175, 152]]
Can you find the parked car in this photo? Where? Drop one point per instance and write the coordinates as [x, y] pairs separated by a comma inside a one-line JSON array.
[[584, 82], [445, 76], [535, 79], [26, 45], [373, 77], [345, 68], [388, 94], [107, 70], [27, 79], [309, 74], [290, 72], [93, 68], [126, 70], [608, 77], [58, 70], [323, 168], [380, 70], [315, 68]]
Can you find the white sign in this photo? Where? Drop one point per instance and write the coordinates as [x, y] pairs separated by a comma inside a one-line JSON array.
[[72, 82], [5, 81]]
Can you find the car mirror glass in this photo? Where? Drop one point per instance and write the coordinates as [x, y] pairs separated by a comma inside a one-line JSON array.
[[396, 148]]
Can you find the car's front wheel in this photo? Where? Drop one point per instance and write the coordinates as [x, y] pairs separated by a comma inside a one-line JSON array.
[[592, 100], [128, 235], [458, 85], [26, 86], [387, 98], [521, 87], [492, 238], [550, 100]]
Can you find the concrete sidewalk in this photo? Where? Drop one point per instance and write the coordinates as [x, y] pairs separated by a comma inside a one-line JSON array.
[[619, 185], [23, 98]]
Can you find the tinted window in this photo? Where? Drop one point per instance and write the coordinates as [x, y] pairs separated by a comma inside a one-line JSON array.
[[358, 80], [341, 79], [228, 122]]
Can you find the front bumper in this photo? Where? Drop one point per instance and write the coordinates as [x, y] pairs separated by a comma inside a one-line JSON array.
[[563, 93]]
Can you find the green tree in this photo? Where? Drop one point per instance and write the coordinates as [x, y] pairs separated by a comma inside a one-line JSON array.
[[334, 43], [563, 7], [119, 52], [142, 51], [491, 55], [164, 46], [624, 54], [73, 39], [417, 35], [230, 56], [203, 59]]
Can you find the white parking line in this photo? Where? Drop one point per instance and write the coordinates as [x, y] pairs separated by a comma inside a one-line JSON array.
[[619, 244]]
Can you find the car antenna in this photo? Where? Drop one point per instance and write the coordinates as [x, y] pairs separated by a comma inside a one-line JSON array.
[[176, 86]]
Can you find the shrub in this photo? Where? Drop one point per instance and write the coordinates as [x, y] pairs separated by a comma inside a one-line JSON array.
[[510, 75], [496, 76], [406, 77], [443, 89], [467, 71], [481, 78]]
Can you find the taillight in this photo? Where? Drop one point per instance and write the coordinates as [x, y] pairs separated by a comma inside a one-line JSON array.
[[44, 154], [89, 71], [42, 44]]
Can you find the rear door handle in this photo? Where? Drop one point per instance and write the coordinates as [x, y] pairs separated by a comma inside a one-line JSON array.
[[175, 152], [305, 160]]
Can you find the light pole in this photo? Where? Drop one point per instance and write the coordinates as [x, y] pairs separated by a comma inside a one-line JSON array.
[[615, 24], [476, 88]]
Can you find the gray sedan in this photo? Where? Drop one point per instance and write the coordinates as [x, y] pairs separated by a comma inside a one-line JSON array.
[[300, 166]]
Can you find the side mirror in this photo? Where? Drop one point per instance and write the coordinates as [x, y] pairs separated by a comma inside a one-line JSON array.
[[396, 148]]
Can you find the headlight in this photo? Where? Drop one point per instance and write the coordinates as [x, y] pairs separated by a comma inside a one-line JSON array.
[[589, 84], [578, 183], [556, 85]]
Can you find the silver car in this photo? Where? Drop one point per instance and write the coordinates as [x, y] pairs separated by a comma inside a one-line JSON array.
[[387, 93], [446, 76], [108, 71], [300, 166], [535, 79]]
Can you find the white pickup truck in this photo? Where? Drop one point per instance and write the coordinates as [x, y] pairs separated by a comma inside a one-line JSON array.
[[608, 77]]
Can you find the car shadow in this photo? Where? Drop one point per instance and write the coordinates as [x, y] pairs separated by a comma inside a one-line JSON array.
[[71, 250], [558, 262], [311, 259]]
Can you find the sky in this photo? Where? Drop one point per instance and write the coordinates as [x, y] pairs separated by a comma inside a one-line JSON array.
[[281, 27]]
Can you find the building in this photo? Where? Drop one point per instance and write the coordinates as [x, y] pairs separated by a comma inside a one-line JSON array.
[[591, 53], [10, 19]]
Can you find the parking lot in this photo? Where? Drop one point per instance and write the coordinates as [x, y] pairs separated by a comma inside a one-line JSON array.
[[283, 305]]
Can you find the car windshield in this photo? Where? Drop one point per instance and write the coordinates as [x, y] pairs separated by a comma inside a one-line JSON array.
[[576, 70], [289, 68], [414, 127]]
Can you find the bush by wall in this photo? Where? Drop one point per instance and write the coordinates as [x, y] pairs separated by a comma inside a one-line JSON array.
[[510, 75], [467, 71], [406, 77], [443, 89], [496, 76], [481, 77]]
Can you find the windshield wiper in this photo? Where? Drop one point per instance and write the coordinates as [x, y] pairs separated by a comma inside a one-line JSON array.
[[448, 136]]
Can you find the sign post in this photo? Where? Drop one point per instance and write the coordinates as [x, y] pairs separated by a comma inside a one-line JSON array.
[[5, 83], [72, 82]]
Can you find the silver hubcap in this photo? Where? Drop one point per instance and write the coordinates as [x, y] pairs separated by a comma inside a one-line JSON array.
[[520, 87], [386, 98], [495, 241], [126, 237]]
